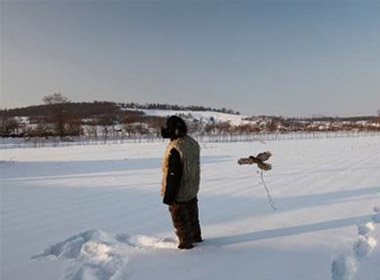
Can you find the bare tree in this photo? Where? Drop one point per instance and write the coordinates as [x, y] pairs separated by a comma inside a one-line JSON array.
[[58, 115], [55, 98], [129, 120], [9, 126]]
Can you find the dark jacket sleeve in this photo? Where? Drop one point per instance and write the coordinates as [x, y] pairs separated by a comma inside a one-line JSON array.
[[173, 178]]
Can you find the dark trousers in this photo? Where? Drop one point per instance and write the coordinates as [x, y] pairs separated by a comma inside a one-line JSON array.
[[185, 217]]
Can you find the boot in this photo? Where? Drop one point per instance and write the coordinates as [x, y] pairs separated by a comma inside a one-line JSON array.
[[185, 246]]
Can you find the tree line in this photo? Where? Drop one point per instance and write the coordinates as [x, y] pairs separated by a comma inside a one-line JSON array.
[[59, 117]]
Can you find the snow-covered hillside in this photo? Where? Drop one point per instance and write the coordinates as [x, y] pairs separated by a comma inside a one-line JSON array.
[[204, 116], [94, 213]]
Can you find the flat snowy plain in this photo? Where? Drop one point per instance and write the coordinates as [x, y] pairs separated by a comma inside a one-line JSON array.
[[94, 213]]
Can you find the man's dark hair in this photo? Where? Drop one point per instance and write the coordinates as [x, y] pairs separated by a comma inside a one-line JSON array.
[[175, 128]]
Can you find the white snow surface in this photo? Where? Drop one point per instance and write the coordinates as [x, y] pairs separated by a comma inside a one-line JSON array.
[[95, 213]]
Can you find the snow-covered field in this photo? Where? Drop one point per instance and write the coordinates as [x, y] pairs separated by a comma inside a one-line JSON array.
[[94, 213]]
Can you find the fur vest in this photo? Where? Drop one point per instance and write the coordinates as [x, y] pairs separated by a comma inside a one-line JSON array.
[[189, 151]]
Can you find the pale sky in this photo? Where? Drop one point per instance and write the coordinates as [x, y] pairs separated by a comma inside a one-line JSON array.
[[275, 57]]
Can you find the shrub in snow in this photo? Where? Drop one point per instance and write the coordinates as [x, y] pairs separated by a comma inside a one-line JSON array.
[[344, 268]]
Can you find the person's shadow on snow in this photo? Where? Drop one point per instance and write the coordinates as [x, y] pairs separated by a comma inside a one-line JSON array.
[[287, 231]]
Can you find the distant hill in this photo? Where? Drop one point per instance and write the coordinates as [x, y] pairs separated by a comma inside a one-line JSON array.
[[84, 118], [96, 108], [68, 118]]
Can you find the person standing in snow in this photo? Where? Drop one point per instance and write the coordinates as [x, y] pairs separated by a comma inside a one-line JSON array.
[[180, 181]]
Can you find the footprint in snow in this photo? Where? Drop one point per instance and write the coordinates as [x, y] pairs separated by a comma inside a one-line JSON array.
[[346, 266]]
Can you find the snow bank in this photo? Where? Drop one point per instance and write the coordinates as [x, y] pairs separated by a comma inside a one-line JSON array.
[[99, 255]]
